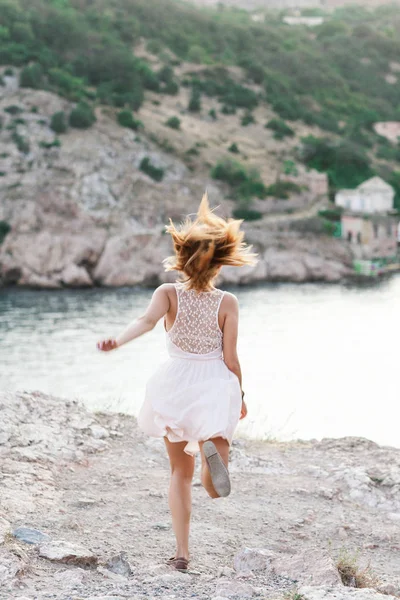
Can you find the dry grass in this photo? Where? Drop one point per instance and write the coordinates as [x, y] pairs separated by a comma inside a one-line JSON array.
[[354, 575]]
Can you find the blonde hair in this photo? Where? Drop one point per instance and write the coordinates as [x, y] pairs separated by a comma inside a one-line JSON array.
[[203, 245]]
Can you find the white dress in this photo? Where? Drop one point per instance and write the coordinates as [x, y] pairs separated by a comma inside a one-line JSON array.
[[193, 396]]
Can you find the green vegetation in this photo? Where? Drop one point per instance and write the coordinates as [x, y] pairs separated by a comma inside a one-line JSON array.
[[31, 76], [126, 119], [245, 184], [346, 164], [213, 114], [154, 172], [82, 116], [282, 189], [280, 129], [13, 110], [247, 119], [195, 100], [54, 144], [174, 123], [58, 122], [21, 142], [4, 229], [247, 214], [234, 148]]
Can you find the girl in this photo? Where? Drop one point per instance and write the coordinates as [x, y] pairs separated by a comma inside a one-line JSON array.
[[195, 400]]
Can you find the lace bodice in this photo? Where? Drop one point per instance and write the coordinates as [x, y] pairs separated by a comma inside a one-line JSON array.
[[196, 328]]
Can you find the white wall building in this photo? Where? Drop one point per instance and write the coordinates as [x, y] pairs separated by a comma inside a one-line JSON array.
[[372, 196]]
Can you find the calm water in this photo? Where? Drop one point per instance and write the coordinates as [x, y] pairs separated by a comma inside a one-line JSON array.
[[317, 360]]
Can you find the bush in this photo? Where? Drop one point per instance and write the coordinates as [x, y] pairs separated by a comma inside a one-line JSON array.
[[282, 189], [9, 72], [58, 122], [174, 123], [4, 229], [245, 184], [346, 164], [228, 110], [234, 148], [13, 109], [247, 214], [195, 101], [154, 172], [54, 144], [82, 116], [247, 119], [212, 114], [66, 84], [126, 119], [21, 142], [31, 76], [331, 214], [280, 129]]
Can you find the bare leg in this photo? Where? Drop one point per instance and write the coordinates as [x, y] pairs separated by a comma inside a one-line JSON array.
[[222, 446], [180, 494]]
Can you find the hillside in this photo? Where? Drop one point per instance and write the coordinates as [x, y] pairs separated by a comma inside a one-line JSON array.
[[282, 4], [113, 120]]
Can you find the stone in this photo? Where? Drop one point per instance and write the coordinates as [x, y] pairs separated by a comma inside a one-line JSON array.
[[71, 577], [310, 567], [341, 593], [10, 566], [234, 589], [250, 559], [67, 552], [98, 431], [5, 529], [29, 535], [74, 276], [119, 564]]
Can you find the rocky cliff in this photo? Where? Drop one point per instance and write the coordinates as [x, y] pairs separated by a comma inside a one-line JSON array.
[[84, 514], [82, 213]]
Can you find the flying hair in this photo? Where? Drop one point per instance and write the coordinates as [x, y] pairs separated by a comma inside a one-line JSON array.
[[203, 245]]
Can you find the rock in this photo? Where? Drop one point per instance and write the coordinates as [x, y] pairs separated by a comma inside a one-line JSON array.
[[234, 589], [170, 578], [67, 552], [71, 578], [110, 575], [75, 276], [5, 529], [29, 535], [10, 566], [340, 593], [98, 431], [310, 567], [250, 559], [119, 564]]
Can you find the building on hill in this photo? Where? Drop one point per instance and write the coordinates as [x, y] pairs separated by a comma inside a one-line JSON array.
[[369, 224], [373, 195], [308, 21]]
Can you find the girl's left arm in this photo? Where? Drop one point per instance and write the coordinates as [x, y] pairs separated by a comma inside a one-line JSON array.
[[157, 308]]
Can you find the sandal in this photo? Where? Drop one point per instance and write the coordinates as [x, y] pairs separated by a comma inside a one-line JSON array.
[[218, 471], [179, 564]]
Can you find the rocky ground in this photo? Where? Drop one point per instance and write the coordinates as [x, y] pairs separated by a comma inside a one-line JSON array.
[[84, 515]]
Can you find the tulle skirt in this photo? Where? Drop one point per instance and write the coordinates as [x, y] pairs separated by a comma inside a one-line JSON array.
[[191, 398]]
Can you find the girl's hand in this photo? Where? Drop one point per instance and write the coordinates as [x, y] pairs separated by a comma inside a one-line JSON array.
[[107, 345], [243, 412]]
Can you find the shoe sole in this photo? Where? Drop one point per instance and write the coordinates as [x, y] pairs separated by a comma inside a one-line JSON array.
[[218, 471]]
